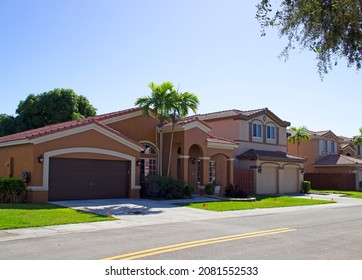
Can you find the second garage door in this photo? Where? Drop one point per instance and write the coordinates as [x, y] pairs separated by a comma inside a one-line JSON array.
[[87, 179]]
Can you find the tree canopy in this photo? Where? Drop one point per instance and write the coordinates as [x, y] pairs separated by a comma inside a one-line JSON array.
[[330, 28], [56, 106]]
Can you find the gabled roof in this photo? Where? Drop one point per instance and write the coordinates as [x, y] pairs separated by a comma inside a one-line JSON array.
[[338, 160], [322, 134], [243, 115], [50, 132], [253, 154]]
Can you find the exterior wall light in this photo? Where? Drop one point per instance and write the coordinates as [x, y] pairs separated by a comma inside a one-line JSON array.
[[40, 159]]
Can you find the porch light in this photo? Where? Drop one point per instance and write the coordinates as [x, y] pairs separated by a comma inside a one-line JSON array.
[[138, 162], [40, 159], [302, 171], [194, 161], [259, 169]]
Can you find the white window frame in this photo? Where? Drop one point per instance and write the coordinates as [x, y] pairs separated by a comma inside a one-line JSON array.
[[212, 171]]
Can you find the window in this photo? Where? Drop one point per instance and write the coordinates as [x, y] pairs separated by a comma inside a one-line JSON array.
[[332, 147], [149, 150], [323, 146], [359, 150], [212, 171], [148, 167], [256, 130], [270, 132]]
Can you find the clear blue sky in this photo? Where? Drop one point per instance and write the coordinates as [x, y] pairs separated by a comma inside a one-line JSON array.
[[110, 50]]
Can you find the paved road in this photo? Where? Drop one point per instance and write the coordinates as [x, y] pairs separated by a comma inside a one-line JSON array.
[[313, 232]]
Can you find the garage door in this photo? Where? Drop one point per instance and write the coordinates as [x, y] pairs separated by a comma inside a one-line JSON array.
[[291, 180], [87, 179], [267, 180]]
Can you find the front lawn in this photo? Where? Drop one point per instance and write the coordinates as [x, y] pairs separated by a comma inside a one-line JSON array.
[[351, 194], [261, 202], [43, 214]]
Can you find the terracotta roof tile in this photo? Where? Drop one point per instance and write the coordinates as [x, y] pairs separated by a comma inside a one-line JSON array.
[[276, 155], [338, 160]]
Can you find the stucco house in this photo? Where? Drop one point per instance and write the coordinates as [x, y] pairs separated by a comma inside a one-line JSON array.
[[262, 163], [106, 156], [332, 161]]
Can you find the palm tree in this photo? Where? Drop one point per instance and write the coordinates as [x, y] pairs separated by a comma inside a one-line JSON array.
[[299, 135], [357, 140], [159, 102], [180, 105]]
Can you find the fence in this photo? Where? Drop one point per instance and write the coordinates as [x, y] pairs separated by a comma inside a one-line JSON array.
[[244, 180], [332, 181]]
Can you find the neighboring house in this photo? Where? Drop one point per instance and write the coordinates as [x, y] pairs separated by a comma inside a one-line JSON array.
[[262, 163], [332, 161], [107, 156]]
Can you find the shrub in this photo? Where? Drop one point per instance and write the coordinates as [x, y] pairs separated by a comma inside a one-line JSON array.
[[306, 186], [234, 191], [165, 187], [210, 189], [10, 188], [188, 191]]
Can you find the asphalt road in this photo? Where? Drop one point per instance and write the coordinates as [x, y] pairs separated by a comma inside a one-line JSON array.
[[304, 233]]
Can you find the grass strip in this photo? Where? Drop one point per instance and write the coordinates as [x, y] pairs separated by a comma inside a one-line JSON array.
[[43, 214]]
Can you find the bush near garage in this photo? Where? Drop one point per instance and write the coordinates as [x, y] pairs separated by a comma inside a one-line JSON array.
[[10, 189], [165, 188], [306, 186]]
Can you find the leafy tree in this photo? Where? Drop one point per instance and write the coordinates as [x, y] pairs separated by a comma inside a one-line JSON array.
[[330, 28], [7, 125], [159, 102], [181, 103], [56, 106], [299, 135]]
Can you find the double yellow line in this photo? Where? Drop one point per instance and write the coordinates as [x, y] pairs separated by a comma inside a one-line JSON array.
[[192, 244]]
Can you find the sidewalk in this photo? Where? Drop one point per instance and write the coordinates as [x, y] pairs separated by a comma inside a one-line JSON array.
[[144, 212]]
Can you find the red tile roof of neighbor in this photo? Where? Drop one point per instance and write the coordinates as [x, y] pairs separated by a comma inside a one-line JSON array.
[[338, 160]]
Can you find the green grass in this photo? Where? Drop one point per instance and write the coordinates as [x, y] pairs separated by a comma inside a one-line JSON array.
[[43, 214], [262, 202], [351, 194]]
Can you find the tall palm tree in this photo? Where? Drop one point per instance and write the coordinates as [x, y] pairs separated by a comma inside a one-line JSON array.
[[159, 102], [180, 105], [299, 135], [357, 140]]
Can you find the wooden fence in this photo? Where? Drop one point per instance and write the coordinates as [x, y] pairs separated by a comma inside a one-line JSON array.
[[332, 181], [244, 180]]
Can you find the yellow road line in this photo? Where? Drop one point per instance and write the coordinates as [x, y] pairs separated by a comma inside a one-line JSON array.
[[186, 245]]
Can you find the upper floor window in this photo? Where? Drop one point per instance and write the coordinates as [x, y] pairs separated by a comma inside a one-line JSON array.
[[359, 150], [270, 132], [323, 146], [149, 150], [332, 147], [257, 130]]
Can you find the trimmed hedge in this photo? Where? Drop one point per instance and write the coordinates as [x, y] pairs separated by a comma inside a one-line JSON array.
[[10, 188], [306, 186]]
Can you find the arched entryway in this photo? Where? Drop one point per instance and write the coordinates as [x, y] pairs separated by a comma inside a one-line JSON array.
[[195, 166]]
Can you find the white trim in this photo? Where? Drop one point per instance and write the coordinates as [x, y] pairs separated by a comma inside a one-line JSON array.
[[48, 155], [230, 159], [14, 143], [183, 157], [76, 130], [204, 158], [188, 126]]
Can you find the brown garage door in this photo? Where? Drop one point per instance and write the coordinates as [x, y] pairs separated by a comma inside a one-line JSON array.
[[87, 179]]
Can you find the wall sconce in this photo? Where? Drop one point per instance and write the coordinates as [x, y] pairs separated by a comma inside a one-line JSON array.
[[138, 162], [193, 161], [259, 169], [40, 159], [302, 171]]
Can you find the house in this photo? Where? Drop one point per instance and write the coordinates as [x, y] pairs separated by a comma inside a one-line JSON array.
[[262, 163], [107, 156], [332, 161]]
